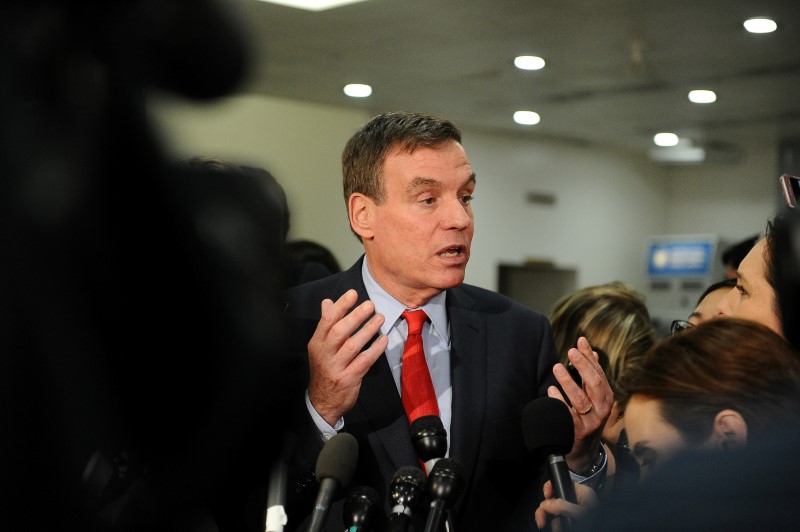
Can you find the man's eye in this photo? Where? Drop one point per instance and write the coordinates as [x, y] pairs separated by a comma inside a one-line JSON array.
[[428, 201], [466, 200]]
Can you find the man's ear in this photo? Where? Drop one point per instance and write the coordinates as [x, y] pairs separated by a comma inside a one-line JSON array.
[[360, 209], [730, 430]]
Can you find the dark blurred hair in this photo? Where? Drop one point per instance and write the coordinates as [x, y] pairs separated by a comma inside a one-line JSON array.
[[304, 251], [719, 364], [774, 226], [784, 244], [725, 283], [274, 189], [734, 254]]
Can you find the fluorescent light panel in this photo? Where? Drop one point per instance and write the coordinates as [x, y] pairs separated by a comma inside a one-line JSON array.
[[526, 118], [678, 155], [313, 5], [760, 25], [665, 139], [357, 90], [528, 62], [702, 96], [683, 152]]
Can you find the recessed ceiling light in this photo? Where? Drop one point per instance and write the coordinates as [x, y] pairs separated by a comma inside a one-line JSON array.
[[529, 62], [702, 96], [760, 25], [665, 139], [313, 5], [526, 118], [357, 90]]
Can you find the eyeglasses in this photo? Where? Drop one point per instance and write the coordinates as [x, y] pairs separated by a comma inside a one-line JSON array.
[[679, 326]]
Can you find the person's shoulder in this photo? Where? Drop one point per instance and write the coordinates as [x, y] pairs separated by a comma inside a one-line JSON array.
[[306, 298], [491, 302]]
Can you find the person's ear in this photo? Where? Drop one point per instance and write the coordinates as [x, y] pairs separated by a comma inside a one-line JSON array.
[[730, 430], [360, 209]]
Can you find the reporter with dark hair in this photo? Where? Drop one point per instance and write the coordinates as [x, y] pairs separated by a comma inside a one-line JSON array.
[[716, 386]]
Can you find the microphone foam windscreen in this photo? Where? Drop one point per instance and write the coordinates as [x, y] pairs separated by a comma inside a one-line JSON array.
[[363, 494], [410, 475], [427, 425], [338, 459], [429, 437], [547, 426], [449, 466], [446, 480]]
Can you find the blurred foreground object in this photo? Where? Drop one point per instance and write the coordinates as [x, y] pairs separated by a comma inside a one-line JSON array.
[[139, 327]]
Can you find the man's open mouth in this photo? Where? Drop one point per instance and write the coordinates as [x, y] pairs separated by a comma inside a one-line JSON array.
[[452, 252]]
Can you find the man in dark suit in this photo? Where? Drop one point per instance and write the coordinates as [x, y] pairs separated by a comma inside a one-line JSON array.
[[408, 186]]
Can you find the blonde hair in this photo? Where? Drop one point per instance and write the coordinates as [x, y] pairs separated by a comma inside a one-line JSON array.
[[614, 319]]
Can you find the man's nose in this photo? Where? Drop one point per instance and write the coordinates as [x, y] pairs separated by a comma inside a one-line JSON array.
[[458, 215]]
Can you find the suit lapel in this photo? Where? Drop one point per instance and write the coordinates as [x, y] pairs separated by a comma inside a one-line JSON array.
[[379, 400], [468, 360]]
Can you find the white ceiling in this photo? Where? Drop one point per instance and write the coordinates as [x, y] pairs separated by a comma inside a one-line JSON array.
[[617, 71]]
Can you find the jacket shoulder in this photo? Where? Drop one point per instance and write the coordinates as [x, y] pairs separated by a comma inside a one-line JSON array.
[[489, 302]]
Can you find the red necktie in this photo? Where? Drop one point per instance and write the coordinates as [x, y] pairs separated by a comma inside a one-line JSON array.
[[416, 389]]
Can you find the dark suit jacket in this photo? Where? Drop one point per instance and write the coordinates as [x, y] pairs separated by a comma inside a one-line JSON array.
[[502, 356]]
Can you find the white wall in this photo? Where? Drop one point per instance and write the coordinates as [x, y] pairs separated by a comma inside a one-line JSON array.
[[607, 202], [732, 201]]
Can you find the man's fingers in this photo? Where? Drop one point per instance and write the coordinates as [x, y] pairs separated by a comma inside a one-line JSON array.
[[336, 325], [585, 350], [574, 392], [560, 507], [332, 312], [595, 384], [355, 343], [547, 489], [348, 324], [366, 358]]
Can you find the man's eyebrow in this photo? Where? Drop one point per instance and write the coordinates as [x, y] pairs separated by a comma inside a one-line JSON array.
[[421, 183]]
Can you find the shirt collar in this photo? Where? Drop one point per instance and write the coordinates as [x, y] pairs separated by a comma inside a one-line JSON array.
[[391, 308]]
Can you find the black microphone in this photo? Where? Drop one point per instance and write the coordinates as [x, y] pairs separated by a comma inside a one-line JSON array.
[[445, 483], [335, 467], [360, 508], [406, 489], [549, 433], [429, 439], [276, 517]]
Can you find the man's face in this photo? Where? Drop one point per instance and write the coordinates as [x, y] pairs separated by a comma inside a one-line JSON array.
[[418, 241]]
